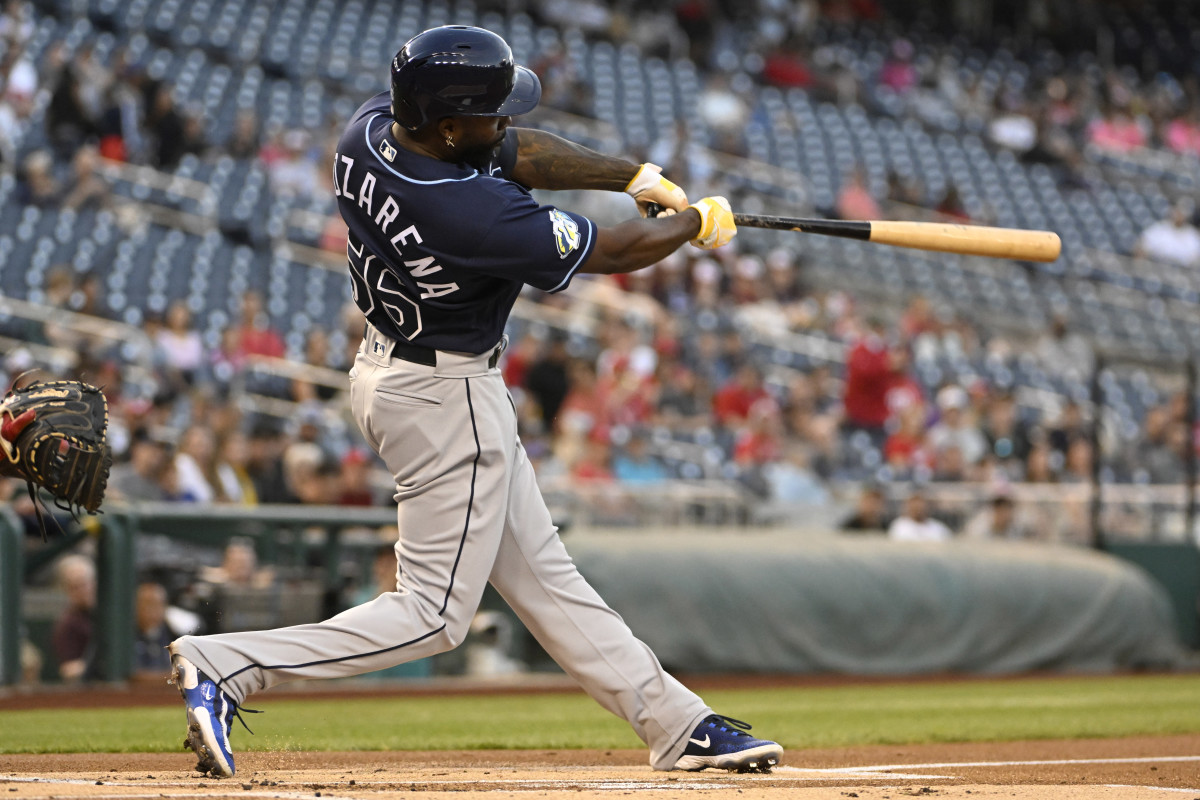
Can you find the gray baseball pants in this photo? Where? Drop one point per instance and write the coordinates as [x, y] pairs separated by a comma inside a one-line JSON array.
[[469, 512]]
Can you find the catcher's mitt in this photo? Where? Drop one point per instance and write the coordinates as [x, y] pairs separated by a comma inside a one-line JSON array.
[[58, 441]]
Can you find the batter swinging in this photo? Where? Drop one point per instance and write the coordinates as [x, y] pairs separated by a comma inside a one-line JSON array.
[[433, 185]]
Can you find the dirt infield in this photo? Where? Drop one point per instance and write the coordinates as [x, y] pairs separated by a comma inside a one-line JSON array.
[[1120, 769]]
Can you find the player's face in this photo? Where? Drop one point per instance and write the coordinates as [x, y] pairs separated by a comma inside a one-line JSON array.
[[476, 137]]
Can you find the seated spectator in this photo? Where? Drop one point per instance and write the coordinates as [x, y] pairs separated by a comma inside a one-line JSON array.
[[1062, 351], [854, 199], [583, 409], [181, 345], [1042, 464], [73, 639], [906, 449], [140, 478], [787, 66], [232, 481], [195, 135], [195, 463], [1182, 134], [759, 442], [956, 428], [733, 401], [1116, 132], [87, 188], [915, 525], [898, 72], [1065, 427], [255, 336], [593, 464], [1172, 241], [38, 186], [1006, 433], [316, 354], [153, 633], [791, 480], [1077, 463], [239, 567], [219, 587], [634, 464], [870, 511], [684, 402], [244, 141], [998, 520], [294, 172], [354, 481]]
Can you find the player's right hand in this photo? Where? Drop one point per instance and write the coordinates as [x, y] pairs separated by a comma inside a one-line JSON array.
[[716, 223], [649, 187]]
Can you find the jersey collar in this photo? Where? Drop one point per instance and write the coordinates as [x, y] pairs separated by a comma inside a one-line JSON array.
[[407, 165]]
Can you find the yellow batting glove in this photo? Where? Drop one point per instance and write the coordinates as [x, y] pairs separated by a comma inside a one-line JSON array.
[[648, 186], [716, 223]]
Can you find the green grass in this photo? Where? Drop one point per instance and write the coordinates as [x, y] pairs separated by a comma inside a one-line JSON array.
[[1053, 708]]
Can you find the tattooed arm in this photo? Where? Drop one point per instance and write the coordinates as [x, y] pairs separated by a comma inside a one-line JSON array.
[[546, 161], [542, 160]]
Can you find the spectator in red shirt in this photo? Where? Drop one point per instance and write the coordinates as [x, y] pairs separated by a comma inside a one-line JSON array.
[[906, 448], [255, 336], [732, 402], [73, 640], [854, 200], [760, 442], [1117, 132], [870, 373]]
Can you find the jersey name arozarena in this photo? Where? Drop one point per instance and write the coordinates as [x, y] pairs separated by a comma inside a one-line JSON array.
[[418, 268]]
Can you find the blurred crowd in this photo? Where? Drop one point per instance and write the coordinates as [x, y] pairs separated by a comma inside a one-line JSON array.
[[672, 359]]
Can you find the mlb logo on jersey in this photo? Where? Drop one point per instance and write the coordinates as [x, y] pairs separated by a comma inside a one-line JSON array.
[[566, 233], [387, 150]]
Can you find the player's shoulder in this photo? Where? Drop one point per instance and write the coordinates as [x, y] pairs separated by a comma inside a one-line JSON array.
[[354, 134]]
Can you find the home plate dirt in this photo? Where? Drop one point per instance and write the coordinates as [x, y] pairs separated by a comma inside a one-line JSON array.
[[1117, 769]]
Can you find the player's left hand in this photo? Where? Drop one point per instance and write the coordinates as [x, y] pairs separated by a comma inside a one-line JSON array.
[[717, 226], [649, 187]]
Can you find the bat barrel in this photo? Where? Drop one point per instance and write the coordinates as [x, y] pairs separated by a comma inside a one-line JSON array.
[[975, 240], [969, 239]]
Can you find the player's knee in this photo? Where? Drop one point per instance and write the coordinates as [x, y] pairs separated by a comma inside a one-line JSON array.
[[454, 635]]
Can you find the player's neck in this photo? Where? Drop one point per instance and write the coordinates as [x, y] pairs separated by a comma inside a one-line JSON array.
[[424, 146]]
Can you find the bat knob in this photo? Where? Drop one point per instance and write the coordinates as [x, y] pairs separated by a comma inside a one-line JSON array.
[[653, 210]]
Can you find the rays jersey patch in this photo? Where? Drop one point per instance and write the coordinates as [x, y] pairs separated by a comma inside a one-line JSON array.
[[566, 233]]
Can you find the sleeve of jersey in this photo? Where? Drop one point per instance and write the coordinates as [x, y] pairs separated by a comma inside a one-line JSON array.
[[542, 246]]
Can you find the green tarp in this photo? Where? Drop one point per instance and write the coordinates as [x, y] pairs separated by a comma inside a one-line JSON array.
[[804, 604]]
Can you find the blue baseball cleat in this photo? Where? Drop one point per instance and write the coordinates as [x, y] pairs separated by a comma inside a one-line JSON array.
[[723, 743], [209, 713]]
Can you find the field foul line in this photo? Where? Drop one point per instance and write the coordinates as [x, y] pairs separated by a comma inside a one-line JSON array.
[[1046, 763], [1155, 788]]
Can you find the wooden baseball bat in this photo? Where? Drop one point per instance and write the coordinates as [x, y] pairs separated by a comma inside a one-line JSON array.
[[971, 240]]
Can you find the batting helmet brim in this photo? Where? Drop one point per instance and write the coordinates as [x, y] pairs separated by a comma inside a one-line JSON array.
[[524, 97]]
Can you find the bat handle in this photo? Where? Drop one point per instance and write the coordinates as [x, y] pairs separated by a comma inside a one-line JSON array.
[[653, 210]]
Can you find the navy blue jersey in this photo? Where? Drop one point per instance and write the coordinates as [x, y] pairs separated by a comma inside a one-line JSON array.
[[438, 252]]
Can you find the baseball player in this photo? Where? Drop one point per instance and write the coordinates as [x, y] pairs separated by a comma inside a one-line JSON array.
[[434, 186]]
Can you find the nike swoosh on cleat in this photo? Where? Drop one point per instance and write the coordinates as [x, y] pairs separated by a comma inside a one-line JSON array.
[[705, 742]]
